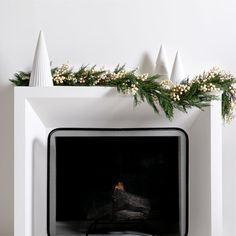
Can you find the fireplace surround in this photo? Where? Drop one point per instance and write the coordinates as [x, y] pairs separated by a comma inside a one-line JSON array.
[[105, 181], [37, 111]]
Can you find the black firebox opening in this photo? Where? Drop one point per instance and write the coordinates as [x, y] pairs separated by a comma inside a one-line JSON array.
[[117, 184]]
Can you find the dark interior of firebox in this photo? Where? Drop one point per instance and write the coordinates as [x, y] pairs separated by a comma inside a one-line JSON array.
[[108, 185]]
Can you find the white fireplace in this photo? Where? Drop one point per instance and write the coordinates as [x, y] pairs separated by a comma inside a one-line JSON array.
[[40, 110]]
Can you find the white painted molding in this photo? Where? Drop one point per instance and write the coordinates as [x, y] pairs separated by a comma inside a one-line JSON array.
[[39, 110]]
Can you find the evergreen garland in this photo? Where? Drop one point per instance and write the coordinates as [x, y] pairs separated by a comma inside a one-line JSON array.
[[198, 92]]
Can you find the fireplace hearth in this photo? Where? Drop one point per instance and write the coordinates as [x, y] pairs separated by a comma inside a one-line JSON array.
[[117, 181]]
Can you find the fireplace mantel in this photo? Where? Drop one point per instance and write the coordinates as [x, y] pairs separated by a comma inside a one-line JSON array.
[[80, 105], [39, 110]]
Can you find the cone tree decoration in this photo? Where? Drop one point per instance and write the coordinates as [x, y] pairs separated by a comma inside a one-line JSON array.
[[162, 65], [177, 74], [41, 72]]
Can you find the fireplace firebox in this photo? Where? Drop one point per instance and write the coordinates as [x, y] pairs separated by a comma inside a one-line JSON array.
[[117, 181]]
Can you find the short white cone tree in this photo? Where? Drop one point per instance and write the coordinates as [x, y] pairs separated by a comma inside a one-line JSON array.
[[41, 75], [162, 65], [177, 74]]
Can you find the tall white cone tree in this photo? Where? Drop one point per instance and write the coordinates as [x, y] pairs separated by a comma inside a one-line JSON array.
[[41, 72], [162, 65], [177, 74]]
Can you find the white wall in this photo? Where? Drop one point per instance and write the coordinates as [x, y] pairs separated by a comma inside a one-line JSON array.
[[109, 32]]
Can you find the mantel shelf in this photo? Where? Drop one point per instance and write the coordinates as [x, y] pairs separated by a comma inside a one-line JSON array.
[[96, 106], [69, 91]]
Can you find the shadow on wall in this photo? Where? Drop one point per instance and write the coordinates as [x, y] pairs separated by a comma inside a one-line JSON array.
[[6, 159], [146, 65]]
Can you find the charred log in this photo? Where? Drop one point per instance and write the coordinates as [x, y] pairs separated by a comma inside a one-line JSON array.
[[128, 206], [125, 215], [123, 206]]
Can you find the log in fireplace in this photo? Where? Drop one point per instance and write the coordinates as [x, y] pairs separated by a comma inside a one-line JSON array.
[[118, 181]]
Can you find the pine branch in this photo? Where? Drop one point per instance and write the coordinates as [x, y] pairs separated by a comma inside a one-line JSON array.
[[145, 88]]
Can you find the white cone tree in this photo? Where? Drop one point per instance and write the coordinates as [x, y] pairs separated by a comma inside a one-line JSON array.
[[162, 65], [177, 74], [41, 72]]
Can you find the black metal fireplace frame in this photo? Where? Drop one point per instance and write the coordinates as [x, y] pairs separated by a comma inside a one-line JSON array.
[[184, 194]]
